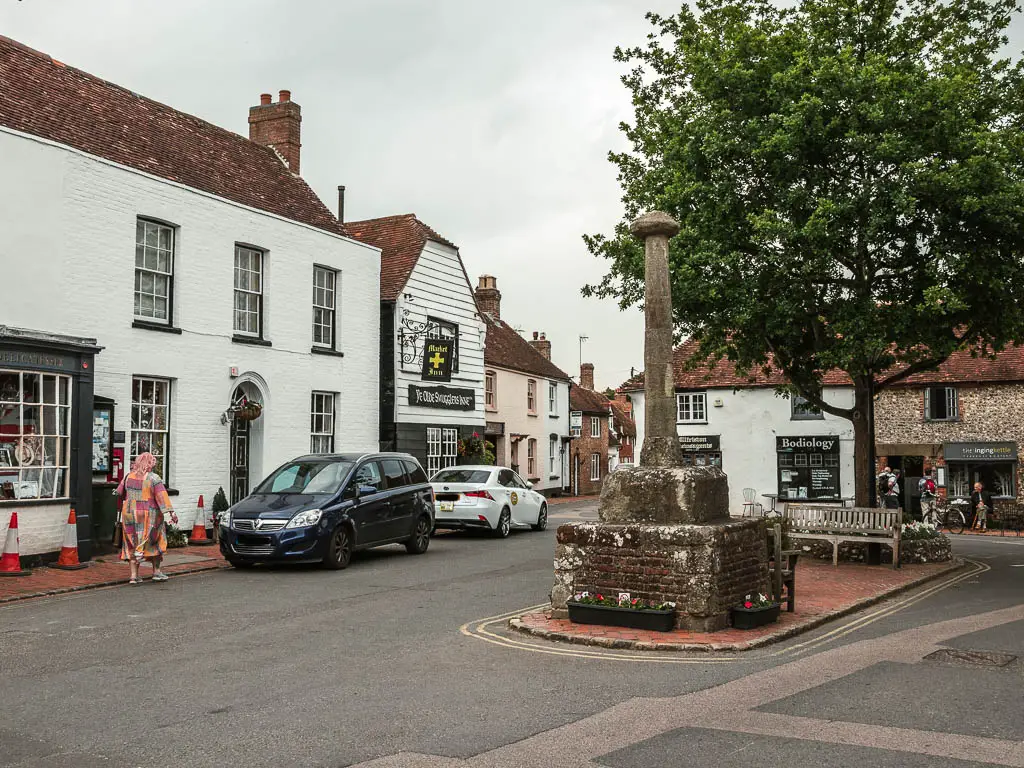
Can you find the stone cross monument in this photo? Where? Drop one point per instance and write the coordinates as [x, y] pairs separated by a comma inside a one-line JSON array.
[[664, 532]]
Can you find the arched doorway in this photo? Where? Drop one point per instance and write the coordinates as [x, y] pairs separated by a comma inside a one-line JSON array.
[[246, 446]]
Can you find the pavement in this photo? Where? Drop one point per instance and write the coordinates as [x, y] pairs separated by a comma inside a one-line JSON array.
[[379, 665]]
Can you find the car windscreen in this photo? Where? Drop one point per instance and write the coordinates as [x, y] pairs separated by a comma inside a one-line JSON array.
[[309, 477], [478, 476]]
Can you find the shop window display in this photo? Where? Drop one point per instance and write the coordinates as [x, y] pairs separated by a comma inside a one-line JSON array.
[[35, 424]]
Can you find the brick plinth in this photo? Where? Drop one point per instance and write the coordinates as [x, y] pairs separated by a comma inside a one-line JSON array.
[[704, 569]]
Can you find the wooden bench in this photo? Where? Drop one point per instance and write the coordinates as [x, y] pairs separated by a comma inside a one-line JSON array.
[[783, 570], [836, 524]]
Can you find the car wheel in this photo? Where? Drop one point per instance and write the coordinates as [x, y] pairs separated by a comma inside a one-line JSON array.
[[542, 518], [420, 540], [339, 551], [236, 563], [504, 526]]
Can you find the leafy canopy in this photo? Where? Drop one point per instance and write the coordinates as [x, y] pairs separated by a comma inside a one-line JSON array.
[[849, 177]]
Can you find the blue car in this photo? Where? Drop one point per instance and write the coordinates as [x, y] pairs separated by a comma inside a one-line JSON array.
[[324, 508]]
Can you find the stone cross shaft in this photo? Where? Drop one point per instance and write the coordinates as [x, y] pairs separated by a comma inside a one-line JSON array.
[[661, 444]]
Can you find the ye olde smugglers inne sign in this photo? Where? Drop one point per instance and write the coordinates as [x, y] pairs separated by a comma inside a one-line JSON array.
[[448, 398]]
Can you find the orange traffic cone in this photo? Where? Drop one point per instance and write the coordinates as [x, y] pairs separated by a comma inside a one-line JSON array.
[[198, 537], [68, 560], [10, 560]]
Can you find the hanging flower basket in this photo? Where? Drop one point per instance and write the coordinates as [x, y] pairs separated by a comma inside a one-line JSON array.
[[249, 412]]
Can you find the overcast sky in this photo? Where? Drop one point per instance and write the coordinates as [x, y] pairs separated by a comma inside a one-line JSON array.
[[491, 121]]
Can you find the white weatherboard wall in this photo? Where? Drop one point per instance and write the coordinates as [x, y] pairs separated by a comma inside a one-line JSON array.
[[510, 396], [437, 288], [67, 247], [748, 422]]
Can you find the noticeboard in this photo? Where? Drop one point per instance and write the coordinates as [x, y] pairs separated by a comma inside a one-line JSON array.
[[808, 467]]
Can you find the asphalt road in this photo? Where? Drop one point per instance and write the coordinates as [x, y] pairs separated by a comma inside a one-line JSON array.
[[274, 667]]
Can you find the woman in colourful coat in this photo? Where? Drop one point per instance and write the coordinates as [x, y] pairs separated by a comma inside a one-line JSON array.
[[143, 509]]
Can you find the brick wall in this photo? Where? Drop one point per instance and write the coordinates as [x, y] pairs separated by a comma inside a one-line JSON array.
[[582, 448], [987, 413]]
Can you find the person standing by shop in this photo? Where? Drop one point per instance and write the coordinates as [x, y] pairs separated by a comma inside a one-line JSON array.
[[144, 506], [981, 503], [927, 488], [888, 489]]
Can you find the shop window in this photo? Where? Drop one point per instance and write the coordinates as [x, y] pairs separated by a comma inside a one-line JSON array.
[[531, 396], [154, 271], [490, 391], [442, 448], [691, 407], [531, 457], [997, 477], [324, 298], [552, 398], [322, 422], [940, 404], [442, 329], [35, 432], [800, 409], [595, 466], [595, 426], [248, 291], [151, 421]]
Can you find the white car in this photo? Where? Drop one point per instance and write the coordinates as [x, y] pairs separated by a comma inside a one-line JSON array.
[[491, 498]]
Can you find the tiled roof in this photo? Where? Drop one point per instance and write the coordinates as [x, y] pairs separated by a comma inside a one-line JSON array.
[[587, 400], [960, 367], [505, 348], [45, 98], [401, 240], [623, 421]]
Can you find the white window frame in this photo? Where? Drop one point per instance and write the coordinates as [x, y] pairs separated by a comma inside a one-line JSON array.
[[325, 300], [148, 268], [491, 391], [140, 404], [531, 457], [442, 448], [595, 466], [595, 426], [248, 291], [37, 461], [801, 410], [553, 454], [322, 420], [531, 396], [552, 398], [691, 407]]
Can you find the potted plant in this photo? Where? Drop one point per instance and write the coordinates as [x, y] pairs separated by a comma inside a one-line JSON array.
[[621, 611], [475, 450], [756, 611]]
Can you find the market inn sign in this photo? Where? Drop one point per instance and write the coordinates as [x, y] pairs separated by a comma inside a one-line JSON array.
[[446, 398]]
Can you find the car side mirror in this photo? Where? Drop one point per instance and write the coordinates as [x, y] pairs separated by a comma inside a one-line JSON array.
[[365, 490], [529, 486]]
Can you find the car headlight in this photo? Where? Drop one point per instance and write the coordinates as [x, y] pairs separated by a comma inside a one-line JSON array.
[[225, 518], [306, 519]]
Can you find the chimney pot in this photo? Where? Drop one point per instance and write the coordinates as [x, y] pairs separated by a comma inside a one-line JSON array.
[[542, 345], [284, 96], [535, 335], [341, 203], [278, 126], [587, 376], [488, 297], [265, 98]]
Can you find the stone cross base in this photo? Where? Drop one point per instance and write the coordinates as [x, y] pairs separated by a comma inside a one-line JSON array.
[[665, 496], [704, 569]]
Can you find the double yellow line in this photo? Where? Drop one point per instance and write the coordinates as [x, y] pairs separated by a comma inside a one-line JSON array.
[[478, 629]]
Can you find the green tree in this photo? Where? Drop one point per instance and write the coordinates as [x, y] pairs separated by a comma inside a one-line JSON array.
[[849, 177]]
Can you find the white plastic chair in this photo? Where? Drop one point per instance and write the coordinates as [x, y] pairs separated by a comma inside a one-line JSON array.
[[750, 500]]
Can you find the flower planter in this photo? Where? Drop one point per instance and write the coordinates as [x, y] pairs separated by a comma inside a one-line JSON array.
[[586, 613], [749, 618]]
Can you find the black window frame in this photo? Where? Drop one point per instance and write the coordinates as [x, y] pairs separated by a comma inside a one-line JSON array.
[[261, 296], [142, 321], [333, 309], [930, 400], [434, 326]]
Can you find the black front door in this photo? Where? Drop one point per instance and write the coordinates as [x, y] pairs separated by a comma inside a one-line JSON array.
[[239, 456]]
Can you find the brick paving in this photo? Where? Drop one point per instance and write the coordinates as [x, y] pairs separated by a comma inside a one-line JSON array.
[[106, 570], [822, 593]]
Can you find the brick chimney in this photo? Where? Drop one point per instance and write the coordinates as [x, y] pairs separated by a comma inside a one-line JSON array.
[[541, 344], [488, 297], [277, 126], [587, 376]]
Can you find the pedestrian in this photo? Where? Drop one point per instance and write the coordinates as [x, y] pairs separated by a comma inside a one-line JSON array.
[[981, 503], [882, 484], [888, 485], [144, 507], [928, 490]]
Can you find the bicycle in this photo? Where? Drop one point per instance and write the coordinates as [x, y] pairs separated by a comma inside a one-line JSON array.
[[950, 518]]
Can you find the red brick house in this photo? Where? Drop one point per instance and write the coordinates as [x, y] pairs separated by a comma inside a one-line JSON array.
[[588, 451]]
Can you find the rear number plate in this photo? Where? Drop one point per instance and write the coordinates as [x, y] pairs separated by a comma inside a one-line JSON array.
[[447, 506]]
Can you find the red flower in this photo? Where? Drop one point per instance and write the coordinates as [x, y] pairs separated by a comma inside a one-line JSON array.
[[748, 604], [600, 597], [476, 434]]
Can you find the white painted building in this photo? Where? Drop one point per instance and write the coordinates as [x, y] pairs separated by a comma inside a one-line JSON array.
[[426, 408], [761, 440], [526, 399], [207, 271]]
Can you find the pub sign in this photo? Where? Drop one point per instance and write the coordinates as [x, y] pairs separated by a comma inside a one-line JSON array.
[[437, 359]]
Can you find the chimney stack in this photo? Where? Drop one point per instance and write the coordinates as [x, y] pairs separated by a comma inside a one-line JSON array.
[[587, 376], [341, 203], [488, 297], [542, 345], [277, 126]]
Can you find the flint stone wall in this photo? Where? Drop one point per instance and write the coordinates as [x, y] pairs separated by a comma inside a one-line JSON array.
[[936, 550], [703, 569]]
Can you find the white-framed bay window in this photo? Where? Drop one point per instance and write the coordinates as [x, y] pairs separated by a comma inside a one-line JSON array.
[[442, 448], [249, 264], [325, 294], [691, 407], [321, 418], [35, 435], [151, 421], [154, 271]]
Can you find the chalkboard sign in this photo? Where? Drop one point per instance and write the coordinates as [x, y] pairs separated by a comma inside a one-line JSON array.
[[808, 467]]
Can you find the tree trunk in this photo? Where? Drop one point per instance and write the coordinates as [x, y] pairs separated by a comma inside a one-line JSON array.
[[864, 442]]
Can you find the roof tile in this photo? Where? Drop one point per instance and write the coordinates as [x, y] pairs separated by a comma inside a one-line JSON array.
[[505, 348]]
